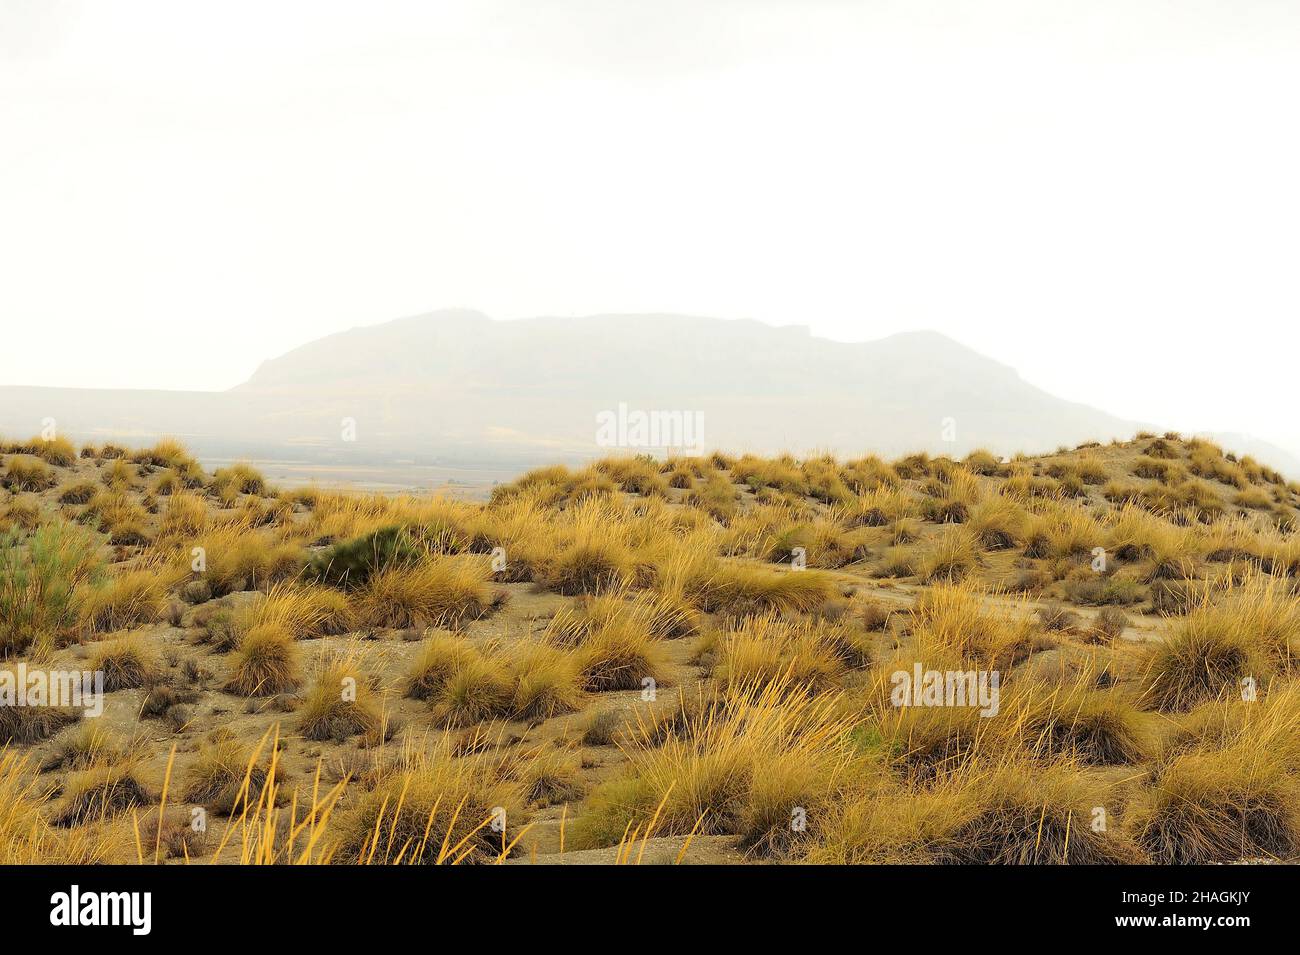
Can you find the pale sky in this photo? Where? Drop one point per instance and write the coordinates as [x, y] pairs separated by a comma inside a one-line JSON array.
[[1103, 194]]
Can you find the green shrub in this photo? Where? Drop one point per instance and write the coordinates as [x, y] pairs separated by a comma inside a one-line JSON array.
[[38, 581], [1101, 591], [351, 563]]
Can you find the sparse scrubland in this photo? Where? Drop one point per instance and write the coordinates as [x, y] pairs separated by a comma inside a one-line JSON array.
[[695, 659]]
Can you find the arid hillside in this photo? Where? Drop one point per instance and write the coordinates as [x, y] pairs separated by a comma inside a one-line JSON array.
[[699, 660]]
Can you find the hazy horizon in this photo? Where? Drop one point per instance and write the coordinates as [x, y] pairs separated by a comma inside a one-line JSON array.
[[1096, 194]]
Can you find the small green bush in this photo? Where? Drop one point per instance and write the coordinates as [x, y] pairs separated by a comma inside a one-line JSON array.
[[351, 563]]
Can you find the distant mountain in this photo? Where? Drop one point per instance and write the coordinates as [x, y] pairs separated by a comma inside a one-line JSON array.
[[457, 386], [461, 376]]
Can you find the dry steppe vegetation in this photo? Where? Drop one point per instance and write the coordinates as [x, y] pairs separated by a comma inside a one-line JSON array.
[[623, 663]]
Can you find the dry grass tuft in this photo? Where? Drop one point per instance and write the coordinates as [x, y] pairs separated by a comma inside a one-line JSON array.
[[127, 662], [27, 473], [265, 662], [342, 703], [432, 810], [26, 837], [743, 769], [1236, 803], [224, 776], [1003, 812], [100, 792], [438, 591]]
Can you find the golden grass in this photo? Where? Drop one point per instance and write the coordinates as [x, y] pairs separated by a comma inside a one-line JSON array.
[[1205, 807], [129, 599], [26, 837], [304, 610], [79, 493], [126, 662], [264, 662], [618, 654], [100, 792], [740, 589], [440, 654], [58, 451], [438, 591], [997, 524], [767, 650], [1207, 654], [342, 702], [952, 622], [785, 737], [167, 453], [90, 743], [224, 774], [119, 476], [588, 569], [239, 558], [240, 478], [546, 683], [950, 557], [433, 809], [186, 515], [1079, 723], [994, 812], [27, 473], [744, 769], [272, 829]]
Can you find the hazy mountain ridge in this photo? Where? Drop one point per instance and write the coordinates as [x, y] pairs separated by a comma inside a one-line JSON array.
[[455, 385]]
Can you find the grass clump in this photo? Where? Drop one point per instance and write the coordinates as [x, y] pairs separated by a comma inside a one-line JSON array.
[[1209, 807], [27, 473], [741, 770], [240, 478], [463, 684], [26, 835], [265, 662], [1205, 658], [238, 558], [306, 611], [127, 662], [619, 655], [437, 591], [80, 493], [25, 725], [39, 582], [951, 622], [127, 600], [950, 557], [1254, 633], [341, 703], [546, 683], [767, 650], [1092, 727], [995, 812], [997, 524], [589, 567], [738, 590], [100, 792], [186, 515], [432, 810], [225, 775]]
